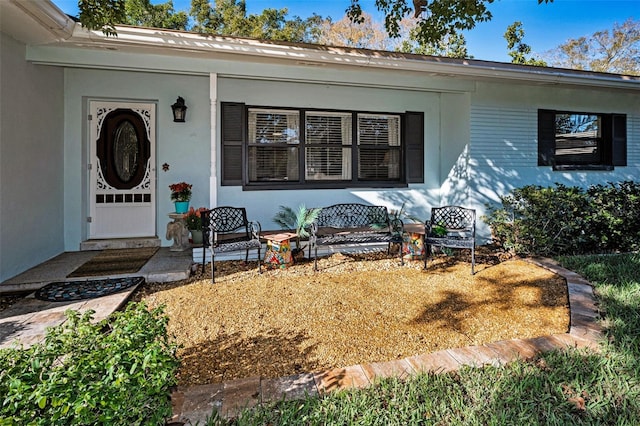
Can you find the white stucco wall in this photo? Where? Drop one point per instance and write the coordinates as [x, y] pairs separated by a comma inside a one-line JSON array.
[[262, 205], [31, 161], [480, 136], [183, 146], [186, 147]]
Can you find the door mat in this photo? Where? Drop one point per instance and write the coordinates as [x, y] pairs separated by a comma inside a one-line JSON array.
[[78, 290], [115, 262]]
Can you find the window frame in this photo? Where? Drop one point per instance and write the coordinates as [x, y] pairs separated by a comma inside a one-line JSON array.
[[275, 146], [611, 141], [354, 147]]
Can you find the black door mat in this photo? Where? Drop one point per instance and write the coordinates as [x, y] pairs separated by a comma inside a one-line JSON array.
[[115, 262], [89, 289]]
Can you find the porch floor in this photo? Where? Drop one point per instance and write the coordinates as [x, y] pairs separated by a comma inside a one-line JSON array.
[[26, 321], [164, 266]]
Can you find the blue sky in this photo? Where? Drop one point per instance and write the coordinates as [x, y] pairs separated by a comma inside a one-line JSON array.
[[546, 25]]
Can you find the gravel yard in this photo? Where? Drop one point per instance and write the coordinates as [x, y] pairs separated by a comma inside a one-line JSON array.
[[356, 309]]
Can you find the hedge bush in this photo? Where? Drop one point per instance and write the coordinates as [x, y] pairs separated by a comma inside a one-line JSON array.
[[565, 220], [118, 372]]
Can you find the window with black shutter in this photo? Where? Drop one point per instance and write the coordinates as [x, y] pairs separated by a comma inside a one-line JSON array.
[[265, 147], [581, 141], [233, 125], [413, 131]]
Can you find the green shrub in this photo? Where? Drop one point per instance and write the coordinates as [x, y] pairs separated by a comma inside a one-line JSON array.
[[118, 372], [617, 215], [565, 220]]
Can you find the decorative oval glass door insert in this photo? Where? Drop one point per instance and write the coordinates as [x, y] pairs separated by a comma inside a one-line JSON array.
[[123, 149]]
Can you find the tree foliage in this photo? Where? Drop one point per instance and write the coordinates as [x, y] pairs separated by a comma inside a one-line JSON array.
[[451, 46], [518, 50], [102, 15], [436, 21], [436, 18], [229, 17], [367, 34], [225, 17], [144, 14], [616, 51]]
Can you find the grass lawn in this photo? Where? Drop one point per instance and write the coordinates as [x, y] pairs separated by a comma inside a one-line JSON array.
[[557, 388]]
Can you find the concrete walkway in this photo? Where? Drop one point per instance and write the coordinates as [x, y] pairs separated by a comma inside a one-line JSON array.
[[26, 321]]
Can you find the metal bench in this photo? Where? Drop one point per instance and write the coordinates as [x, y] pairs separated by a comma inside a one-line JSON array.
[[453, 227], [354, 223], [226, 229]]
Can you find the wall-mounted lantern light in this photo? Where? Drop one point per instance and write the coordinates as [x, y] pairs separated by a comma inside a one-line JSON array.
[[179, 110]]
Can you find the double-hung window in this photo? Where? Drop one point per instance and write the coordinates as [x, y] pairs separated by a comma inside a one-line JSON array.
[[265, 148], [328, 146], [378, 147], [581, 141], [273, 145]]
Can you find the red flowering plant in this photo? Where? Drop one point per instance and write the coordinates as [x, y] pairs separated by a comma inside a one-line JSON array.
[[193, 218], [180, 191]]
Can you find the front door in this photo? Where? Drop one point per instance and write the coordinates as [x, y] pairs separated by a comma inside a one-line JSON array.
[[122, 169]]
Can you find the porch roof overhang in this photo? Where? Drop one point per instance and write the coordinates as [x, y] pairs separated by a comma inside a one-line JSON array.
[[35, 22], [180, 44]]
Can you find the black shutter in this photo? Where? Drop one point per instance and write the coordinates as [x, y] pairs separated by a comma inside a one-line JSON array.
[[233, 136], [414, 146], [619, 140], [546, 137]]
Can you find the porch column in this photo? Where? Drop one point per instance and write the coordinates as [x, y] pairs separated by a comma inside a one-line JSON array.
[[213, 175]]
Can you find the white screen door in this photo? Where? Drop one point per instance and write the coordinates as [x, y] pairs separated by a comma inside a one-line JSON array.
[[122, 169]]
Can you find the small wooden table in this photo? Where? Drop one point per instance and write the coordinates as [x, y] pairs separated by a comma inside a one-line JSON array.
[[413, 241], [278, 254]]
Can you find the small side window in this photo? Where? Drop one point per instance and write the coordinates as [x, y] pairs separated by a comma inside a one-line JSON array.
[[581, 141]]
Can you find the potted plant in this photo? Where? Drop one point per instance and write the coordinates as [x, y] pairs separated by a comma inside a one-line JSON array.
[[298, 220], [193, 222], [181, 195]]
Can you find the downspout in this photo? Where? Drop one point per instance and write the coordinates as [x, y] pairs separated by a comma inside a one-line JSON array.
[[213, 170]]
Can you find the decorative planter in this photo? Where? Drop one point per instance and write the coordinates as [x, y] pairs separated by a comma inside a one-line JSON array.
[[182, 206], [196, 236], [412, 246], [278, 254]]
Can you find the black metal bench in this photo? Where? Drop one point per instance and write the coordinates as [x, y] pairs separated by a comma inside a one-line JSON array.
[[453, 227], [354, 223], [226, 229]]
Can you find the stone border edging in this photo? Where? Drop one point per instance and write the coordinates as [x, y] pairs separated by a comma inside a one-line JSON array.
[[195, 404]]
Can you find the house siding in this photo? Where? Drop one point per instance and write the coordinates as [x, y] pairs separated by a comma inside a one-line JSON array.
[[503, 137], [503, 144], [31, 161]]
